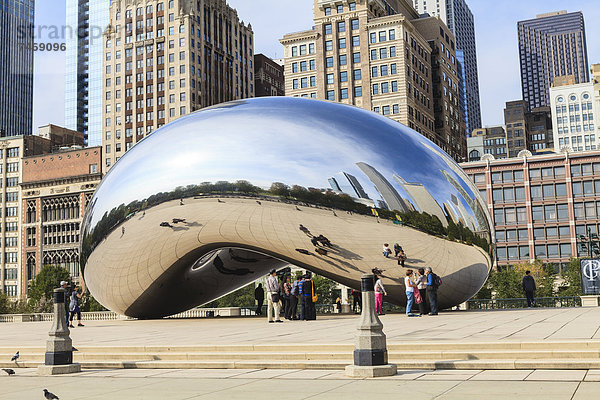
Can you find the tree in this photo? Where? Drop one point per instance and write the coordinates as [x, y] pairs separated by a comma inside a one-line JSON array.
[[240, 298], [324, 288], [46, 281], [280, 189], [89, 303], [572, 279], [5, 306]]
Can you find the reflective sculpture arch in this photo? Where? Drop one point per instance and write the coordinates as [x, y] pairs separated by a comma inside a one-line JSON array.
[[214, 200]]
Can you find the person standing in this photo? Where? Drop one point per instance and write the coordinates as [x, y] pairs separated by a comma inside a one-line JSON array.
[[422, 288], [273, 307], [294, 297], [410, 292], [432, 287], [356, 299], [397, 249], [63, 284], [74, 308], [529, 288], [308, 307], [287, 297], [259, 296], [379, 293]]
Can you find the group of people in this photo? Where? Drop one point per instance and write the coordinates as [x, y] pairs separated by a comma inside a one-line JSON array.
[[72, 309], [421, 288], [283, 295], [399, 253]]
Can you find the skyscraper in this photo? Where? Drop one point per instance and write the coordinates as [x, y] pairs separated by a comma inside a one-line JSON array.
[[165, 59], [16, 67], [379, 56], [87, 20], [551, 45], [459, 18]]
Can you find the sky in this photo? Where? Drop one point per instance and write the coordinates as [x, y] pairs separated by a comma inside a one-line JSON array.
[[495, 30]]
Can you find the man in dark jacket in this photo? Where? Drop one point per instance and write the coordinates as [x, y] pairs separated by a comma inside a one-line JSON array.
[[529, 288], [259, 295], [308, 307]]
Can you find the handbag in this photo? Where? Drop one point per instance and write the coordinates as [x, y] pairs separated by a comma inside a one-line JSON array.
[[417, 296], [315, 297], [275, 297]]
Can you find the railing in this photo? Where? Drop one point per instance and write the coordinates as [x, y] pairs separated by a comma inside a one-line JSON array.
[[499, 304]]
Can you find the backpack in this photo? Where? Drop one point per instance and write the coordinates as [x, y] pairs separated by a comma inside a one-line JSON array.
[[436, 281], [295, 289]]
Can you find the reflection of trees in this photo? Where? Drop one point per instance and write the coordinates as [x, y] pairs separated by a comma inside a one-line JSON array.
[[278, 191]]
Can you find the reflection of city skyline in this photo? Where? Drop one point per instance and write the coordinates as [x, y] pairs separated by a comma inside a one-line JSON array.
[[472, 203], [390, 196], [422, 199]]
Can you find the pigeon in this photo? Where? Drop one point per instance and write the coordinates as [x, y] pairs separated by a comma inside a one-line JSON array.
[[15, 357], [50, 395], [9, 371], [259, 203]]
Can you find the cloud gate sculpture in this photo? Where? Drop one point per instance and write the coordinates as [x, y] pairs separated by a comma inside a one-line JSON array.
[[214, 200]]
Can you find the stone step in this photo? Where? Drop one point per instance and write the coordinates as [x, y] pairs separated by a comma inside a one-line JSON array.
[[336, 365]]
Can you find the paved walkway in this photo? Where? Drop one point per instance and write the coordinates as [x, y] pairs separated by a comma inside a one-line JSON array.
[[456, 326], [304, 384]]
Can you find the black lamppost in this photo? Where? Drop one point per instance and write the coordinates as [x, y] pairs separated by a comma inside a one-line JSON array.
[[589, 243]]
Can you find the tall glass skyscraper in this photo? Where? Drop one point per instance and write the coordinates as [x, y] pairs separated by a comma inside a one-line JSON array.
[[16, 67], [551, 45], [87, 19], [457, 15]]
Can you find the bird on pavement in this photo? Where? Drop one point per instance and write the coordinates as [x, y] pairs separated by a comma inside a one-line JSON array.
[[15, 357], [9, 371], [49, 395]]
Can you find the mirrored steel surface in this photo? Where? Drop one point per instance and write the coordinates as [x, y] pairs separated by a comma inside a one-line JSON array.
[[214, 200]]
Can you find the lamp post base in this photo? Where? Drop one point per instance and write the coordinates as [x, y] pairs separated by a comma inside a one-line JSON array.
[[374, 371]]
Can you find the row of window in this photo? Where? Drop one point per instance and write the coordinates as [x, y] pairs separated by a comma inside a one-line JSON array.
[[383, 36], [304, 49], [521, 235], [11, 290], [303, 66], [586, 106], [386, 87], [342, 59], [11, 273], [341, 26], [587, 210], [343, 94], [539, 173], [542, 251], [575, 129], [340, 8], [386, 110]]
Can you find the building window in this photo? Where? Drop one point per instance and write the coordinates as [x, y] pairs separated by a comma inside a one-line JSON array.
[[331, 95], [357, 74], [354, 24], [358, 91], [344, 93], [341, 26], [329, 62], [327, 29], [355, 58], [343, 59]]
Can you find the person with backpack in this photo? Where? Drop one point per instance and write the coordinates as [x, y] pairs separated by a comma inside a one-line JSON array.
[[433, 283], [308, 294]]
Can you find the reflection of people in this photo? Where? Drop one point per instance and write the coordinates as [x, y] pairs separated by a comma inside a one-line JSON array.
[[338, 305], [386, 250], [305, 230], [397, 249], [529, 288], [259, 296], [401, 258], [63, 284]]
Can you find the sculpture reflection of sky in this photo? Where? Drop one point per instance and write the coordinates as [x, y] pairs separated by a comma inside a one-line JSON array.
[[297, 141]]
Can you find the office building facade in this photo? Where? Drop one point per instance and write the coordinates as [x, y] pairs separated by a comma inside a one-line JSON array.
[[457, 15], [268, 77], [540, 204], [527, 130], [13, 150], [16, 67], [371, 55], [56, 189], [551, 45], [490, 141], [165, 59], [575, 110], [87, 20]]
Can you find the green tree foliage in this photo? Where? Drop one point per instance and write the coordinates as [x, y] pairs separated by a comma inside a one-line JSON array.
[[89, 303], [46, 281], [572, 279], [5, 306], [325, 289], [240, 298], [506, 282]]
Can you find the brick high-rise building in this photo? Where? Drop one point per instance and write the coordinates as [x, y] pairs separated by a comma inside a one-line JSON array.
[[550, 45], [13, 150], [167, 58], [56, 189], [459, 18], [371, 54], [527, 129], [268, 77]]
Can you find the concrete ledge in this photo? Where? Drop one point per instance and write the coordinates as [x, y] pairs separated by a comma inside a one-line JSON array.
[[375, 371], [47, 370], [589, 301]]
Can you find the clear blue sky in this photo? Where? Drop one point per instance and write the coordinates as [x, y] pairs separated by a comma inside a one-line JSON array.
[[495, 28]]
